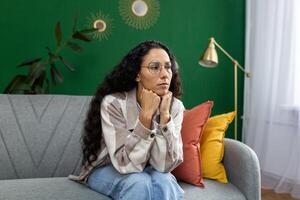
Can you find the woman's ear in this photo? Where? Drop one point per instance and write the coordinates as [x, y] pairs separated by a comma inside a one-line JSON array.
[[138, 79]]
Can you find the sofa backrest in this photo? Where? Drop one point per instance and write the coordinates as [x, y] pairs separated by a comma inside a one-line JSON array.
[[40, 135]]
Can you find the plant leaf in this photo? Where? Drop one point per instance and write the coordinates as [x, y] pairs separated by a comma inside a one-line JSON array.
[[89, 30], [74, 46], [52, 56], [39, 85], [29, 62], [35, 72], [18, 85], [67, 64], [58, 33], [56, 75], [81, 36], [40, 80], [38, 89]]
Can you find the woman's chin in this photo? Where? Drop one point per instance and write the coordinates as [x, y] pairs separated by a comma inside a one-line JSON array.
[[161, 92]]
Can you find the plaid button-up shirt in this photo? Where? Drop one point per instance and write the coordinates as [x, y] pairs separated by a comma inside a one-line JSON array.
[[128, 145]]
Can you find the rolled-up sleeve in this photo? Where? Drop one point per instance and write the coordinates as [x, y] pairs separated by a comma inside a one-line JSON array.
[[167, 150]]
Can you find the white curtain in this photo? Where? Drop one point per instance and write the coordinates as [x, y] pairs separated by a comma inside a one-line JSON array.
[[271, 110]]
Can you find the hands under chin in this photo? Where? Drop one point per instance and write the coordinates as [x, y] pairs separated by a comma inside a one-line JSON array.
[[150, 102], [164, 108]]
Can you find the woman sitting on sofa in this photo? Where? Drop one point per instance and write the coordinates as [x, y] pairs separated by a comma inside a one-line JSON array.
[[131, 138]]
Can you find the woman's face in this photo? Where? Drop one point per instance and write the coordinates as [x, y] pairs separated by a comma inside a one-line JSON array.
[[155, 73]]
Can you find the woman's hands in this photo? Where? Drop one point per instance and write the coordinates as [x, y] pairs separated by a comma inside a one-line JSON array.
[[164, 108], [150, 102]]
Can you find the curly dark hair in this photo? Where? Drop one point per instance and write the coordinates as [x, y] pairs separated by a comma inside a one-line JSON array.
[[121, 79]]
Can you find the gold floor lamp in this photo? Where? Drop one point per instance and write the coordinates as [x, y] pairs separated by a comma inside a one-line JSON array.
[[210, 59]]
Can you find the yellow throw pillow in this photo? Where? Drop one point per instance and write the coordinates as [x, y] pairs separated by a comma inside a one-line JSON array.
[[212, 147]]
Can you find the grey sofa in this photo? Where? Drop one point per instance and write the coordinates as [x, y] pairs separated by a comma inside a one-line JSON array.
[[39, 147]]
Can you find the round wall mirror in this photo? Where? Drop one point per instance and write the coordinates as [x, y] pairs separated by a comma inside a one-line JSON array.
[[139, 14], [139, 8], [100, 25]]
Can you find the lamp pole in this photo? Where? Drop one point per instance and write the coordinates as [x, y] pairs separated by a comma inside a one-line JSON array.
[[235, 98]]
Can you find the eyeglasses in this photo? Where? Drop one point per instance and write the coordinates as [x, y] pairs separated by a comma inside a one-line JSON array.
[[156, 67]]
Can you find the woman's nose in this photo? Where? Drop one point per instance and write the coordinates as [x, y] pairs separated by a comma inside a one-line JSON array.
[[164, 72]]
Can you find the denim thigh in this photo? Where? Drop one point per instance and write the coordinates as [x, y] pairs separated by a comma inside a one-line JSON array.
[[133, 186], [102, 179], [164, 185]]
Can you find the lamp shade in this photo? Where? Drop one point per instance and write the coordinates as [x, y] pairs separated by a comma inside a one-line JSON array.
[[210, 56]]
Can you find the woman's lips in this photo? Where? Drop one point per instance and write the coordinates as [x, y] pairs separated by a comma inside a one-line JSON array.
[[163, 85]]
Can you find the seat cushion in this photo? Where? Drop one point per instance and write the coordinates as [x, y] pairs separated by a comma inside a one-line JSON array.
[[46, 189], [213, 191], [64, 189]]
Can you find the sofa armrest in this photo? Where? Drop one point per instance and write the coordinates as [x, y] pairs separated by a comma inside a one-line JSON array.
[[242, 168]]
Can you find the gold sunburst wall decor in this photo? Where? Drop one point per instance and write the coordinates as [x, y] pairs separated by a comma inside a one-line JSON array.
[[139, 14], [101, 22]]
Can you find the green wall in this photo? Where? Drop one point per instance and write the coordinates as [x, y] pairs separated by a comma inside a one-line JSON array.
[[185, 26]]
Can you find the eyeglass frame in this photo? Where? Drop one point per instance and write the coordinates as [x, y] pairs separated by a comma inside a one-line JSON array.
[[160, 67]]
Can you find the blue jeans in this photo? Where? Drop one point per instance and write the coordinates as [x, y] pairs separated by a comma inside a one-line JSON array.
[[147, 185]]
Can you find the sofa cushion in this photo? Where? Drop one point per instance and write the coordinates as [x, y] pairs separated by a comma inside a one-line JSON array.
[[212, 147], [213, 191], [194, 120], [40, 135], [46, 189], [64, 189]]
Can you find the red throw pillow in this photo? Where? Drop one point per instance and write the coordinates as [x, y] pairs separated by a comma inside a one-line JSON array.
[[192, 128]]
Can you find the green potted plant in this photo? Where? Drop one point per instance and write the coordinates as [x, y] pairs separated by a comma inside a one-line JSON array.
[[36, 81]]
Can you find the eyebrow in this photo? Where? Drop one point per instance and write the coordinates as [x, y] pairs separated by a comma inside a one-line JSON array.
[[158, 61]]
